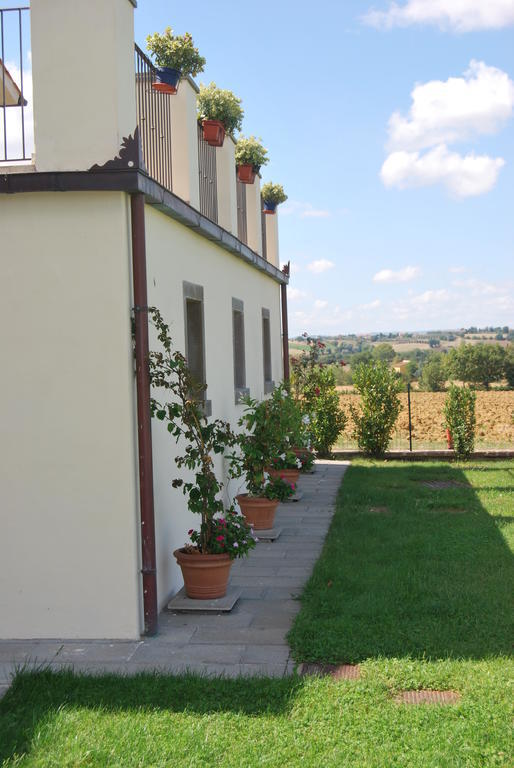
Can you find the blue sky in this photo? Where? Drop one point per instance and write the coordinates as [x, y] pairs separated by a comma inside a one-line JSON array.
[[319, 85], [424, 241]]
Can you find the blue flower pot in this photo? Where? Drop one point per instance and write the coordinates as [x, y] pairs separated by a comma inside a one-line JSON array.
[[270, 207], [167, 79]]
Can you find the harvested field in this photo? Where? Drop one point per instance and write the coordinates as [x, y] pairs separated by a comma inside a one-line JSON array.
[[495, 421]]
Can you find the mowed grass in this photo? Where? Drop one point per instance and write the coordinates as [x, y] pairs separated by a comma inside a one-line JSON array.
[[420, 597]]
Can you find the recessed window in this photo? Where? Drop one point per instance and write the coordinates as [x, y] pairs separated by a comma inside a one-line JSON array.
[[266, 351], [195, 337], [238, 334]]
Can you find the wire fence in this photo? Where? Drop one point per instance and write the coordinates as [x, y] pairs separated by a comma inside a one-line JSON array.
[[424, 430]]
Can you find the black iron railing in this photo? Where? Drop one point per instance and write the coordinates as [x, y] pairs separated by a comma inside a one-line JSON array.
[[207, 178], [263, 228], [154, 122], [242, 231], [16, 128]]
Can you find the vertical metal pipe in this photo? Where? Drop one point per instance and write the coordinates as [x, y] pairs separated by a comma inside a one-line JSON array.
[[285, 328], [144, 429], [21, 84], [410, 422]]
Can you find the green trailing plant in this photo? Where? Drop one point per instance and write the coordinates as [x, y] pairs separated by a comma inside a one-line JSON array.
[[176, 52], [460, 419], [217, 104], [257, 444], [380, 406], [314, 388], [273, 194], [250, 151], [180, 407]]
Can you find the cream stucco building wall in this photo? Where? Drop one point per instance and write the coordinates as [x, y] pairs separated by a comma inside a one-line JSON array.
[[69, 552], [176, 254]]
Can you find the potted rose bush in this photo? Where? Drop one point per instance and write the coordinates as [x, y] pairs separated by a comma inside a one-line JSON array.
[[250, 157], [175, 56], [219, 112], [256, 445], [223, 534], [272, 195], [286, 462]]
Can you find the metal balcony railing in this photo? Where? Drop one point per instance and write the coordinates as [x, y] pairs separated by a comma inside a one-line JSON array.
[[207, 178], [242, 230], [16, 119], [154, 122]]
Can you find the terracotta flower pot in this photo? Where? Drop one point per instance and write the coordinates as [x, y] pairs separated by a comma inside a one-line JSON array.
[[246, 173], [205, 576], [449, 440], [213, 132], [259, 512], [289, 475]]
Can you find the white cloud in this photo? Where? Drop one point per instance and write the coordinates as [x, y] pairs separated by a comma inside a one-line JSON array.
[[321, 265], [459, 15], [304, 210], [457, 270], [295, 293], [444, 112], [401, 276], [462, 175], [320, 304]]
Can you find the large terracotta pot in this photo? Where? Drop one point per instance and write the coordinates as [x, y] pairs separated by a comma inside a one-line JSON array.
[[205, 576], [259, 512], [246, 173], [289, 475], [449, 440], [213, 132]]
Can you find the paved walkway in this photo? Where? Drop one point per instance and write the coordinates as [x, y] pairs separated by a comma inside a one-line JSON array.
[[250, 640]]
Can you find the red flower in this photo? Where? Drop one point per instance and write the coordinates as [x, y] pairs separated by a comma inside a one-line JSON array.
[[317, 391], [220, 538], [190, 531], [342, 362]]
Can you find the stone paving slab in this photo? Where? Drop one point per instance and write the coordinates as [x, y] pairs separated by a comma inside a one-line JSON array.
[[181, 602], [250, 640]]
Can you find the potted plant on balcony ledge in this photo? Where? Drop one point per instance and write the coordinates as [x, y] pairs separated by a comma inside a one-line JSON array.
[[219, 112], [175, 57], [255, 447], [223, 535], [272, 195], [250, 157]]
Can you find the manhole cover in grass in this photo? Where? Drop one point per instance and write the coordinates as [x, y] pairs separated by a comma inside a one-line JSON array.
[[427, 697], [336, 671], [379, 511], [439, 485]]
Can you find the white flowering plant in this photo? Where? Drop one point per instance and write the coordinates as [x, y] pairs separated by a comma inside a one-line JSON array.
[[231, 535]]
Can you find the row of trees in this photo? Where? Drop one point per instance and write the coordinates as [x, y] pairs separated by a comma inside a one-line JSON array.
[[477, 364]]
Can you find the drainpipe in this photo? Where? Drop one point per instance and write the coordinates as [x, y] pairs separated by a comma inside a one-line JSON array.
[[285, 329], [144, 431]]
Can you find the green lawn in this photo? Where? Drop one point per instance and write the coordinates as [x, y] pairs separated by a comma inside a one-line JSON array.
[[420, 597]]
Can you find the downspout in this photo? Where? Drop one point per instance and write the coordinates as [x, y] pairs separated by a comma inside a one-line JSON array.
[[144, 431], [285, 329]]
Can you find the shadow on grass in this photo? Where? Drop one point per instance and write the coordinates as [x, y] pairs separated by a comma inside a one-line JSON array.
[[411, 583], [37, 696]]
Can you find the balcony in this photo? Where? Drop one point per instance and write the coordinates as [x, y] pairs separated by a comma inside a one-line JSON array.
[[16, 119]]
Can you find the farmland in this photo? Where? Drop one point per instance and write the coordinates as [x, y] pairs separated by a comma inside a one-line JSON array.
[[495, 420]]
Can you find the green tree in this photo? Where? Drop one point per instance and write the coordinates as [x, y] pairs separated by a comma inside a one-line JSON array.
[[508, 367], [478, 363], [460, 419], [433, 374], [378, 386], [384, 352]]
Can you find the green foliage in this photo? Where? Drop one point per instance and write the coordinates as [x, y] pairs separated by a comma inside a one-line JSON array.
[[260, 441], [378, 387], [460, 419], [509, 365], [218, 104], [273, 194], [185, 418], [477, 363], [314, 389], [250, 151], [176, 51], [433, 374], [384, 352]]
